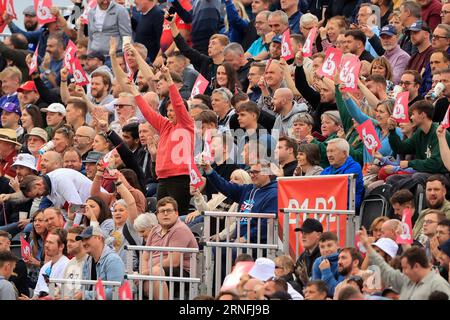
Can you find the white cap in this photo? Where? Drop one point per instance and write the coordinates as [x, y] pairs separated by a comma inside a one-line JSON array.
[[25, 160], [387, 245], [55, 107], [263, 269]]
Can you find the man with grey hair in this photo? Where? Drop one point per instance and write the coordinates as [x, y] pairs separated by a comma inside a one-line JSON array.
[[221, 104], [278, 22], [126, 112], [262, 29], [307, 22], [234, 55], [338, 154]]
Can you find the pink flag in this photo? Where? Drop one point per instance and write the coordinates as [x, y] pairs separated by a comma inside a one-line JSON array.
[[84, 16], [446, 121], [196, 177], [43, 13], [406, 228], [34, 62], [400, 112], [166, 36], [10, 8], [25, 248], [125, 292], [358, 244], [200, 85], [287, 52], [308, 46], [369, 136], [130, 72], [70, 55], [208, 155], [79, 74], [100, 290], [349, 73], [332, 60]]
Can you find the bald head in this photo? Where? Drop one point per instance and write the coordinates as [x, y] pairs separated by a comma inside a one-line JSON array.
[[152, 100], [283, 101], [50, 161], [389, 229], [84, 137]]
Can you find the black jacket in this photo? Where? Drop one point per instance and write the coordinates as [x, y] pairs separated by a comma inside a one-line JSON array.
[[308, 259]]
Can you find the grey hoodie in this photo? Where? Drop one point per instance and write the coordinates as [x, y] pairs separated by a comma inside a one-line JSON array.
[[284, 123]]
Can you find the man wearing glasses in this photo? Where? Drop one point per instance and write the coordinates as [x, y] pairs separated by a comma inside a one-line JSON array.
[[445, 13], [411, 81], [83, 140]]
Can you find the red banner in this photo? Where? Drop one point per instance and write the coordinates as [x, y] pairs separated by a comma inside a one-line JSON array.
[[400, 112], [100, 290], [369, 136], [303, 193], [287, 52], [350, 72], [195, 176], [332, 60], [125, 291], [34, 62], [308, 46], [446, 121], [43, 13], [69, 56], [25, 248], [166, 36], [200, 85], [79, 74], [406, 235]]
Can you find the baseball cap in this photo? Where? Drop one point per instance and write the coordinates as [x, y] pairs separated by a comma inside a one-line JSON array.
[[25, 160], [419, 25], [276, 38], [387, 245], [29, 11], [27, 86], [96, 54], [388, 30], [11, 107], [310, 225], [55, 107], [445, 247], [93, 157], [263, 269], [89, 232], [38, 132]]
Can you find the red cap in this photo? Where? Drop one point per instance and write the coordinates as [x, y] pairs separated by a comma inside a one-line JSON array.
[[27, 86]]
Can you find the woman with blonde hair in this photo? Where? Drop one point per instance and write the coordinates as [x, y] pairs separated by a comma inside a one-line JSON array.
[[218, 202], [284, 269]]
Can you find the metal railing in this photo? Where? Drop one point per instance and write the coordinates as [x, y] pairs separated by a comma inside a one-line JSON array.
[[180, 279], [263, 243]]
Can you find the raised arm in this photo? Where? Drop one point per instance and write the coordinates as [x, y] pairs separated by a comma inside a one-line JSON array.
[[288, 78], [371, 98], [312, 96], [443, 147], [234, 19], [185, 15], [146, 70], [354, 110], [128, 197]]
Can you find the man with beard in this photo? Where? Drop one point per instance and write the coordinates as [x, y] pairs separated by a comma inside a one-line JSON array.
[[83, 140], [349, 263], [125, 108], [95, 61], [435, 192], [52, 72], [30, 21], [100, 87]]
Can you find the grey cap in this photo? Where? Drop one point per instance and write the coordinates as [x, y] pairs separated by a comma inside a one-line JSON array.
[[89, 232], [29, 11], [93, 157]]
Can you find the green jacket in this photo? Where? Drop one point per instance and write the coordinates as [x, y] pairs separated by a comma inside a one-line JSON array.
[[352, 136], [424, 146], [323, 150]]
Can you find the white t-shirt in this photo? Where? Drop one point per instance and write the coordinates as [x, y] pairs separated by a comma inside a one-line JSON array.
[[74, 271], [56, 272], [99, 18]]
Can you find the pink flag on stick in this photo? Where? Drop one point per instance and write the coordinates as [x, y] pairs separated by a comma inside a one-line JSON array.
[[446, 121], [69, 55], [195, 176], [287, 52], [308, 46], [400, 112], [84, 16], [25, 248], [100, 290], [43, 13], [200, 85], [125, 292], [78, 72], [333, 58], [350, 72], [369, 136], [406, 232], [34, 62]]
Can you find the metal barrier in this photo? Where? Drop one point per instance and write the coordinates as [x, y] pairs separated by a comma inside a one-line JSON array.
[[351, 221], [82, 283], [192, 281], [229, 245]]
